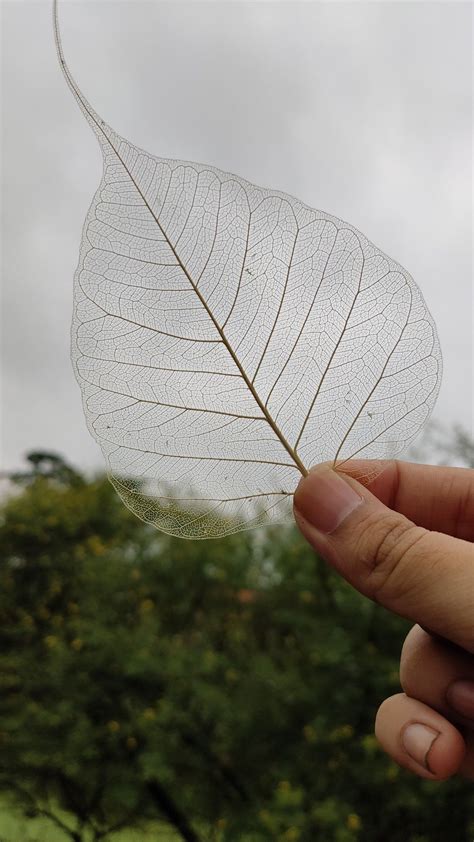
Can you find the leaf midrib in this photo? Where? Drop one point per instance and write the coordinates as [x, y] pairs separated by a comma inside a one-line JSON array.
[[80, 97]]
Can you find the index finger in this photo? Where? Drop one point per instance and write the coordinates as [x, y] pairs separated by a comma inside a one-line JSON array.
[[438, 498]]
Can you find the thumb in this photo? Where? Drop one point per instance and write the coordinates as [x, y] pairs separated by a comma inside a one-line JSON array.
[[424, 576]]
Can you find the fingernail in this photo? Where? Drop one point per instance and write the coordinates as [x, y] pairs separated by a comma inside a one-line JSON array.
[[324, 499], [460, 695], [417, 741]]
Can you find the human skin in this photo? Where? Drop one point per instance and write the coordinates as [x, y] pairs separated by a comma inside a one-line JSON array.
[[405, 539]]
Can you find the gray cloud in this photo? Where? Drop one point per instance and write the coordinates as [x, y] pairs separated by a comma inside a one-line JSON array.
[[360, 109]]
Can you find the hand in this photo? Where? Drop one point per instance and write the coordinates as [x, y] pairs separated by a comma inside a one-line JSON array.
[[379, 537]]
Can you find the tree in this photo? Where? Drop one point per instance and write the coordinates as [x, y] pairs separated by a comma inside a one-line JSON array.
[[43, 463], [224, 687], [444, 446]]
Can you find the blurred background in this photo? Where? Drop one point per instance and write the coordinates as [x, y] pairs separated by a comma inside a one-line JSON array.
[[152, 688]]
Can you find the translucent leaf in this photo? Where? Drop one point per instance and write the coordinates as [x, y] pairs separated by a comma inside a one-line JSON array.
[[226, 337]]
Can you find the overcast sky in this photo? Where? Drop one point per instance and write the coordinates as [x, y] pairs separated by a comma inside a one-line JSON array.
[[363, 110]]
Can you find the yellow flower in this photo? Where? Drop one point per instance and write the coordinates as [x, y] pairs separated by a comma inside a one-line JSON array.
[[292, 834], [51, 641], [95, 545], [56, 586], [346, 731], [231, 675], [284, 786], [369, 743], [146, 606], [343, 732], [149, 713], [131, 743], [353, 822], [392, 772], [209, 659], [266, 818], [113, 726], [77, 644], [310, 734]]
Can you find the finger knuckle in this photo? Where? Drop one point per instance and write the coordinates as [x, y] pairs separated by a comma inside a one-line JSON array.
[[391, 543]]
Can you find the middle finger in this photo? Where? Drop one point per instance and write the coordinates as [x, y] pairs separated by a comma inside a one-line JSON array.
[[429, 667]]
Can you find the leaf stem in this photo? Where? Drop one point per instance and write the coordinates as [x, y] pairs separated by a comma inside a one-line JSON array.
[[100, 128]]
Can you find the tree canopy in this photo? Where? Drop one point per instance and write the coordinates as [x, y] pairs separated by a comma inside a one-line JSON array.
[[225, 687]]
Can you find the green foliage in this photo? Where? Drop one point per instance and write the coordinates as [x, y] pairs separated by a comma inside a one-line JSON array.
[[226, 688]]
